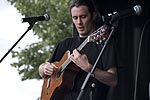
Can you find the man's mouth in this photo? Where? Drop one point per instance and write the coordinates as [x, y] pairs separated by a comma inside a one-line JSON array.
[[80, 28]]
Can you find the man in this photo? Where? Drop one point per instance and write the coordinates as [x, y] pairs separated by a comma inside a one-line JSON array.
[[105, 74]]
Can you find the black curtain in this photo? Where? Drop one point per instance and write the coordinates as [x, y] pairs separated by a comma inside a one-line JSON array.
[[133, 76]]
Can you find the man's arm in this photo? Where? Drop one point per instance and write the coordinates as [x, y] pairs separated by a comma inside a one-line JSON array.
[[108, 77]]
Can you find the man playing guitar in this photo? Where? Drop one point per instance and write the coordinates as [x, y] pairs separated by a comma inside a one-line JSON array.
[[79, 61]]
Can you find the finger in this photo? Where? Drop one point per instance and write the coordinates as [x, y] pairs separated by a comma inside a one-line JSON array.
[[54, 66], [48, 69], [76, 53], [45, 71], [68, 54], [48, 73], [71, 56]]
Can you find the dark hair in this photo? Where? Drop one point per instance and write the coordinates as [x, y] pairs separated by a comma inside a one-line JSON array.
[[92, 8], [88, 3]]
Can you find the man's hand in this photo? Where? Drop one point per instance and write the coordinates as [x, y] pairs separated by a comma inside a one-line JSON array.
[[81, 60], [47, 69]]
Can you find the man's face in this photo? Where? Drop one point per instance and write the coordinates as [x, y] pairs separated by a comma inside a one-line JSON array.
[[82, 19]]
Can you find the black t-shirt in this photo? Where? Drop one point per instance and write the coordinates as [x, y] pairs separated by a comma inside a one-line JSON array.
[[92, 50]]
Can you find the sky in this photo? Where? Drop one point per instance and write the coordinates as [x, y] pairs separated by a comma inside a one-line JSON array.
[[11, 29]]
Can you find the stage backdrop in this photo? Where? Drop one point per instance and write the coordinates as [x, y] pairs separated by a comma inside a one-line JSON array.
[[133, 76]]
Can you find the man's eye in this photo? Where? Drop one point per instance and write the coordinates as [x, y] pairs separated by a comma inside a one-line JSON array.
[[83, 16], [75, 18]]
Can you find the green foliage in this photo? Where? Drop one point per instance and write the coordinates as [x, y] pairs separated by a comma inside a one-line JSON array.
[[50, 32]]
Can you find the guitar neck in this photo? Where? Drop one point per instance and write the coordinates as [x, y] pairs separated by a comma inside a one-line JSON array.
[[65, 64], [83, 44]]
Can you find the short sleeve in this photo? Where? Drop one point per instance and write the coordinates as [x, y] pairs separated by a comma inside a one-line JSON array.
[[109, 55]]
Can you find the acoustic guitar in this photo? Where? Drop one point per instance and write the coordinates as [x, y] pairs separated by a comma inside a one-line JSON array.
[[64, 82]]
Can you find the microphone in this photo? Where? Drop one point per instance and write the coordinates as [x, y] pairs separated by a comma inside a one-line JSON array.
[[35, 19], [113, 17]]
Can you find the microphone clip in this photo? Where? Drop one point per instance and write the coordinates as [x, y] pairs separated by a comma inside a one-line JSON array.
[[107, 19]]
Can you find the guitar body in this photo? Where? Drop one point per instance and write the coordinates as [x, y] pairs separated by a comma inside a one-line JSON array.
[[66, 80]]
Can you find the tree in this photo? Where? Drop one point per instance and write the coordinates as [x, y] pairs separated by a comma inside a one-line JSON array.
[[49, 33]]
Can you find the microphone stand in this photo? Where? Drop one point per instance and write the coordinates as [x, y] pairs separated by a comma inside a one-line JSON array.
[[94, 66], [31, 23]]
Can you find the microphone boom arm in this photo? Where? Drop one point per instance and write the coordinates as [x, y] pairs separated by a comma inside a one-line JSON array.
[[29, 28]]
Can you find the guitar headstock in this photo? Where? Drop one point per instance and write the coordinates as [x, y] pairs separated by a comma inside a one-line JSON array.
[[100, 34]]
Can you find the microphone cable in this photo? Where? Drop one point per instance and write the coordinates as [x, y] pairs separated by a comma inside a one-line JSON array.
[[138, 57]]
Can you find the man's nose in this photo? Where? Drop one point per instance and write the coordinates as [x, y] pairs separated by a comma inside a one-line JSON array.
[[79, 21]]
